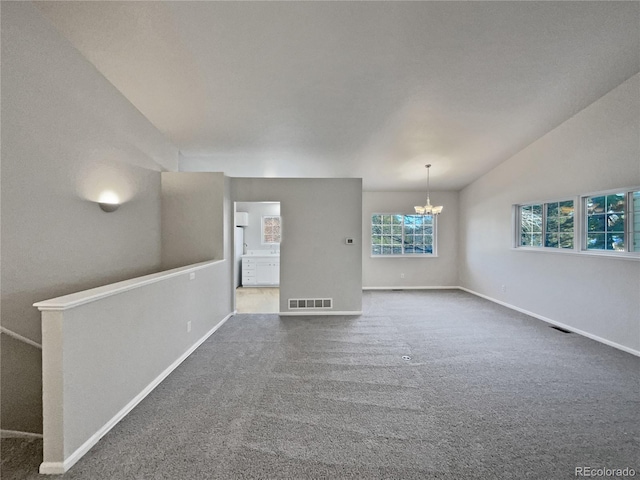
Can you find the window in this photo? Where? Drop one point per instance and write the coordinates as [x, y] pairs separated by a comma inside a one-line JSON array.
[[635, 220], [606, 223], [612, 221], [397, 234], [549, 225], [271, 232]]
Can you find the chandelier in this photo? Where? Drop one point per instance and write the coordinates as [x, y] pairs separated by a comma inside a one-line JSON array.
[[428, 209]]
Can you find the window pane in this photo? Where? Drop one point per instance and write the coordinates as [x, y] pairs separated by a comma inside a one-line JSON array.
[[376, 219], [408, 239], [596, 223], [397, 219], [397, 239], [552, 224], [525, 240], [615, 241], [636, 221], [386, 229], [409, 249], [566, 240], [386, 219], [551, 240], [595, 241], [536, 240], [397, 229], [615, 223], [552, 209], [397, 250], [376, 230], [386, 250], [565, 224], [428, 230], [376, 250], [428, 240], [386, 239], [566, 207], [615, 203], [595, 205]]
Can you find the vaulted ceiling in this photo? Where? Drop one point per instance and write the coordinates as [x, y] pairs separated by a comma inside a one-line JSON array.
[[356, 89]]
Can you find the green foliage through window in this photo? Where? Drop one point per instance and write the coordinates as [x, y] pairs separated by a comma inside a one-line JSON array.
[[547, 225], [396, 234]]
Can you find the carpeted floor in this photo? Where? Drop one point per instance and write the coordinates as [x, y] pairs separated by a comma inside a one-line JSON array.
[[487, 393]]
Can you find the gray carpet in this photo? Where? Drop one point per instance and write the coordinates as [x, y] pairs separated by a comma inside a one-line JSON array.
[[487, 393]]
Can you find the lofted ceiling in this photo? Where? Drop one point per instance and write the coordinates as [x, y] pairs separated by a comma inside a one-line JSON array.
[[355, 89]]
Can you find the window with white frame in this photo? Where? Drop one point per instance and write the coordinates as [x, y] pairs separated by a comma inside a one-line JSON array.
[[398, 234], [612, 221], [600, 223], [546, 225], [271, 229]]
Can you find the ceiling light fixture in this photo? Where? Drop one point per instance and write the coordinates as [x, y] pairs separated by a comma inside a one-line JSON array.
[[428, 209]]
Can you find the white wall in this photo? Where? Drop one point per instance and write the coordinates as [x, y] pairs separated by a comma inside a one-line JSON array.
[[597, 149], [253, 231], [67, 134], [193, 216], [429, 271], [94, 366], [318, 214]]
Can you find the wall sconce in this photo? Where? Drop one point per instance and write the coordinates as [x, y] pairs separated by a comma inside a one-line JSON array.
[[109, 201]]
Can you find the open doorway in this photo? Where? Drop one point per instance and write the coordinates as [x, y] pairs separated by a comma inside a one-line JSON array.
[[257, 257]]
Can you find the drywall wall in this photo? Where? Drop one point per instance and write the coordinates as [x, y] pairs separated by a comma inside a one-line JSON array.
[[253, 231], [193, 215], [67, 135], [597, 149], [424, 271], [93, 364], [317, 217]]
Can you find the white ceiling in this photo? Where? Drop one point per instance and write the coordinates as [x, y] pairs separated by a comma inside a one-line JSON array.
[[356, 89]]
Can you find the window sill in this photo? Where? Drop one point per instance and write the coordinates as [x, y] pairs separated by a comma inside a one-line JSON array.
[[582, 253], [408, 255]]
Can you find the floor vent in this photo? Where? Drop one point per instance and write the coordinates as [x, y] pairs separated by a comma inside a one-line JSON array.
[[560, 329], [310, 303]]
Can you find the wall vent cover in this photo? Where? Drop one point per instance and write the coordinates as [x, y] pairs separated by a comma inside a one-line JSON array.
[[310, 303]]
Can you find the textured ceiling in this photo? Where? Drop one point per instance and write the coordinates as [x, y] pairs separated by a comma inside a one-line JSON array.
[[356, 89]]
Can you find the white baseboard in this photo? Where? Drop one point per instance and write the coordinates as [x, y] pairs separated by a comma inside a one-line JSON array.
[[18, 434], [554, 322], [453, 287], [54, 468], [319, 313]]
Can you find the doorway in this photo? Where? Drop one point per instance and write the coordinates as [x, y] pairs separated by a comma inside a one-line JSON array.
[[257, 238]]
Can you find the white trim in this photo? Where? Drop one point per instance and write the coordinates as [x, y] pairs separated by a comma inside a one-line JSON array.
[[582, 253], [318, 313], [53, 468], [559, 324], [401, 287], [18, 434], [80, 298], [19, 337]]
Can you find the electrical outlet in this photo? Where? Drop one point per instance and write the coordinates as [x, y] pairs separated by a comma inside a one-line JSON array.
[[402, 275], [504, 288], [192, 276], [188, 326]]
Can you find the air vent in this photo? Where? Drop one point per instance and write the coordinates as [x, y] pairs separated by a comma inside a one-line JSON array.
[[560, 329], [307, 303]]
